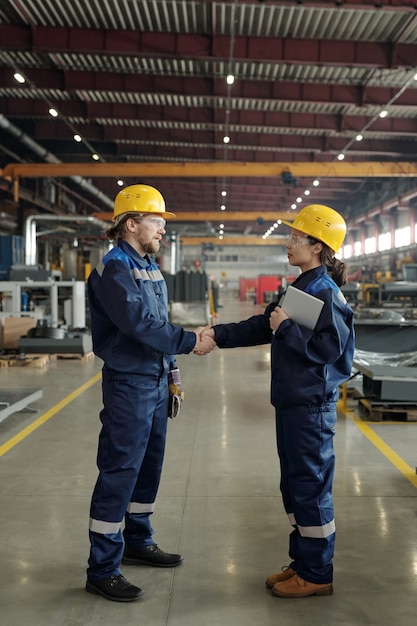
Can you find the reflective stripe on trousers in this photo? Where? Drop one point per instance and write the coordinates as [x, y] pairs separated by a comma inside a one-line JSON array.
[[130, 456], [305, 448]]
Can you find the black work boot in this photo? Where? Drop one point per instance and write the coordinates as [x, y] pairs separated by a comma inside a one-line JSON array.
[[150, 555], [115, 588]]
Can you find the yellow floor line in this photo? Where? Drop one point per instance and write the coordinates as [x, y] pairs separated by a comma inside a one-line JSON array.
[[11, 443], [393, 457], [388, 452]]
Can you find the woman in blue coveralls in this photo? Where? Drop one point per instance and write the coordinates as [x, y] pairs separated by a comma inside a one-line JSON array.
[[307, 368], [131, 333]]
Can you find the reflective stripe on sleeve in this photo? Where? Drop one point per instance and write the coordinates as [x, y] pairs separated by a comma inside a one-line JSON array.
[[100, 268], [140, 507], [155, 275], [140, 274], [104, 528]]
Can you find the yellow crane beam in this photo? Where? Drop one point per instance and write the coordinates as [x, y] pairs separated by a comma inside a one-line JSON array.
[[250, 240], [217, 216], [340, 169]]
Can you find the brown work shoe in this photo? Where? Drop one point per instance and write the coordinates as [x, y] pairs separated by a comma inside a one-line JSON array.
[[285, 574], [296, 587]]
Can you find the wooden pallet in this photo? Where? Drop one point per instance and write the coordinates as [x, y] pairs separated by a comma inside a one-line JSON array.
[[378, 411], [88, 356], [33, 360], [57, 356]]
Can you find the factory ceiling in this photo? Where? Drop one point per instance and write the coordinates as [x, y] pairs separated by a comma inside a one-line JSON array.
[[145, 82]]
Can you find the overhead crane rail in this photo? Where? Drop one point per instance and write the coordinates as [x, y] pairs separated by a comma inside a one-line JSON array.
[[358, 169], [216, 169]]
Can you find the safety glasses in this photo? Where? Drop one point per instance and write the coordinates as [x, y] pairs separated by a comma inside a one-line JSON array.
[[295, 241], [158, 222]]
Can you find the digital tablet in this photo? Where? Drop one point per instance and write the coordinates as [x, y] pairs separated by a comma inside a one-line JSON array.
[[301, 307]]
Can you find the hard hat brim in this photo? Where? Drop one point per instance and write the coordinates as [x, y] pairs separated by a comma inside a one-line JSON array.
[[322, 223], [291, 225], [164, 214]]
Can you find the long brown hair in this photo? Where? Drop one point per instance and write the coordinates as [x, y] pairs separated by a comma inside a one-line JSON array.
[[336, 268], [118, 230]]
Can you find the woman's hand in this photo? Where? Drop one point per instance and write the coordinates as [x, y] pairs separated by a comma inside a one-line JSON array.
[[277, 316]]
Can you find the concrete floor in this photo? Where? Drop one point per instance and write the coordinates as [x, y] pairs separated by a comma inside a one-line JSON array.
[[218, 505]]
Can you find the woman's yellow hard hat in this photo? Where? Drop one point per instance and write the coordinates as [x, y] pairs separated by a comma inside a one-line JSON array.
[[322, 223]]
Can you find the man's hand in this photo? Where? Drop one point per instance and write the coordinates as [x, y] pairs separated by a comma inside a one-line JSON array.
[[174, 383], [205, 340], [276, 318], [176, 394], [208, 331]]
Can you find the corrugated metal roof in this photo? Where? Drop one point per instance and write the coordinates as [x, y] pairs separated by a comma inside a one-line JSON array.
[[289, 20], [300, 93], [188, 67], [31, 93]]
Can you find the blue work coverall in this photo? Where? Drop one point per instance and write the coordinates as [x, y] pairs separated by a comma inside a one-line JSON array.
[[307, 368], [130, 330]]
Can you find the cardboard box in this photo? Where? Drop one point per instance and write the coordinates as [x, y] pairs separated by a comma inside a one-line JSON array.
[[12, 328]]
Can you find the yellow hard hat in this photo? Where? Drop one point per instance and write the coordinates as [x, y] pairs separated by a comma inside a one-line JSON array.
[[140, 199], [322, 223]]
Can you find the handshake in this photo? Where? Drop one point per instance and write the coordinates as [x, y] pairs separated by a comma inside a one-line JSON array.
[[205, 340]]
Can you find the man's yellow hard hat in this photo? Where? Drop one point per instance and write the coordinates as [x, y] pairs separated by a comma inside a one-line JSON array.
[[140, 199]]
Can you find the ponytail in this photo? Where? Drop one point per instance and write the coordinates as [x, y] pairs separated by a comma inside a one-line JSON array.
[[338, 271], [117, 231], [336, 268]]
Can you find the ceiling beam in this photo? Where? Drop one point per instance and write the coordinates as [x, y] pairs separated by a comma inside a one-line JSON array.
[[359, 169], [309, 135], [49, 39], [193, 87], [130, 121], [217, 216], [234, 241]]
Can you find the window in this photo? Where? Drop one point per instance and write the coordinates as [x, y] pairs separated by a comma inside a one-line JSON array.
[[402, 237], [347, 251], [370, 245], [384, 242]]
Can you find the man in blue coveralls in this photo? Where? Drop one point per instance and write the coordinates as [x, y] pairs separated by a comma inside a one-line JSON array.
[[132, 335]]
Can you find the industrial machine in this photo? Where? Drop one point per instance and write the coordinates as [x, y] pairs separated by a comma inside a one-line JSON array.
[[59, 310], [44, 339]]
